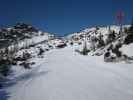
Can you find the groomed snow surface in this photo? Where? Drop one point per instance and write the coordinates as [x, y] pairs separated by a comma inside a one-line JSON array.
[[63, 74]]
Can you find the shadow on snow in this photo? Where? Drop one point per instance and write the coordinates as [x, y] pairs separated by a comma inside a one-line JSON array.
[[4, 95]]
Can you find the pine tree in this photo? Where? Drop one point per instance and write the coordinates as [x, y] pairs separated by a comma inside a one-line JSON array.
[[129, 37], [131, 28], [85, 49], [101, 41], [111, 37]]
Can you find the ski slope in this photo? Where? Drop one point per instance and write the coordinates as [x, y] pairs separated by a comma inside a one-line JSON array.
[[65, 75]]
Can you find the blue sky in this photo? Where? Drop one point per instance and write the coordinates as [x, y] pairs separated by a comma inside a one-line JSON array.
[[64, 16]]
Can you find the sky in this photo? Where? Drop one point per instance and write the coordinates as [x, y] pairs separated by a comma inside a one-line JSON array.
[[64, 16]]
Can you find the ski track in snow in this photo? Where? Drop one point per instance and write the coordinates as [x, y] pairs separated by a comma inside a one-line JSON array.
[[65, 75]]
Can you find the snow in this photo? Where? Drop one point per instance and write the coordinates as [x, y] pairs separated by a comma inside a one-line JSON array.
[[63, 74], [32, 41], [103, 30], [127, 49]]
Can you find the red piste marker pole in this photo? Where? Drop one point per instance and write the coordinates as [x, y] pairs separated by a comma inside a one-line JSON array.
[[120, 17]]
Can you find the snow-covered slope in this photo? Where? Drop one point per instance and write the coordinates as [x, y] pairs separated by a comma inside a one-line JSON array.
[[95, 31], [102, 40], [127, 49], [65, 75], [22, 35]]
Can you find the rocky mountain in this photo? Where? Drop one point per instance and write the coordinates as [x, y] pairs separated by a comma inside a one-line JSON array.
[[18, 33]]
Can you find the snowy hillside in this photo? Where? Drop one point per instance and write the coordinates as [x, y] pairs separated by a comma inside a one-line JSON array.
[[94, 64], [79, 36], [22, 35], [102, 40], [20, 43], [63, 74]]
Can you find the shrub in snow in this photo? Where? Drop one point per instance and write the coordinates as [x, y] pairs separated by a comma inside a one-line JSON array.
[[111, 37], [93, 42], [116, 50], [25, 64], [22, 57], [71, 43], [98, 53], [108, 57], [41, 51], [46, 49], [4, 66], [113, 54], [100, 41], [84, 51], [130, 30], [129, 39], [50, 46], [107, 54], [79, 43]]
